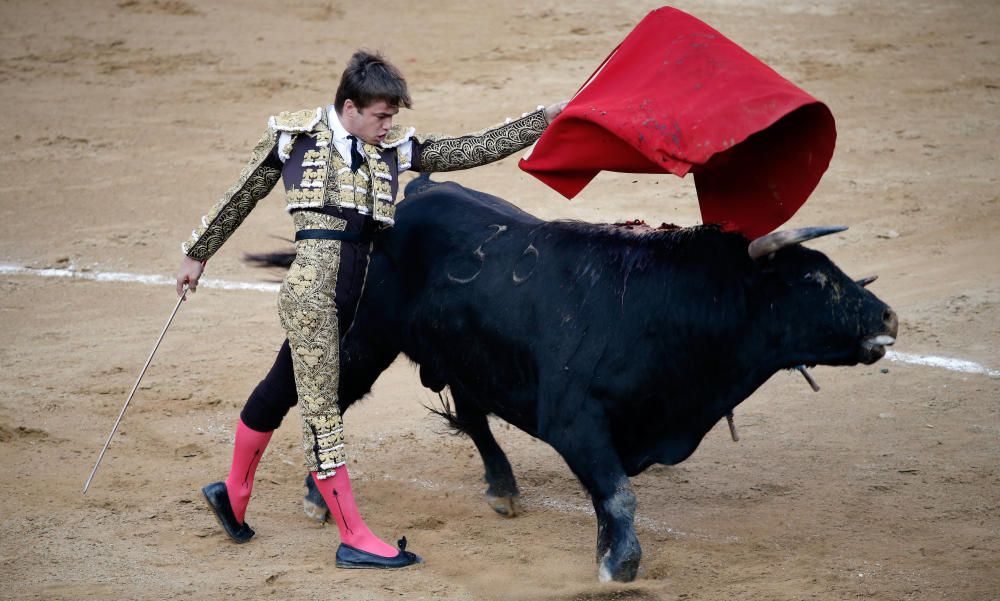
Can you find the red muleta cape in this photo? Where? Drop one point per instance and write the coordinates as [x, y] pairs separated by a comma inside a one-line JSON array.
[[677, 96]]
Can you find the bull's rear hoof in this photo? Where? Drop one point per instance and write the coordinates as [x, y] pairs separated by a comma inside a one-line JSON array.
[[313, 504], [315, 512], [509, 506]]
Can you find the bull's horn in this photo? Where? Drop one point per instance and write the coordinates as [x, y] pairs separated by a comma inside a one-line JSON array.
[[863, 282], [775, 241]]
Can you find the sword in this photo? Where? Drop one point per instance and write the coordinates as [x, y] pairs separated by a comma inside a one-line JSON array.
[[86, 485]]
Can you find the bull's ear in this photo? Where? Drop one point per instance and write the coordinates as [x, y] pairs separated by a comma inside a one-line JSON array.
[[775, 241]]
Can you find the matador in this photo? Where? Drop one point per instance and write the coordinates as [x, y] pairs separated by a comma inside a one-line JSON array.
[[340, 167]]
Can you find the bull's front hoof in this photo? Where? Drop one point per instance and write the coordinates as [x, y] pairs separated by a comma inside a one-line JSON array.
[[508, 506], [620, 567]]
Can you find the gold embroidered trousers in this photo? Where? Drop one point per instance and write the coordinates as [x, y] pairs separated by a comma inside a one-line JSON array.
[[308, 312]]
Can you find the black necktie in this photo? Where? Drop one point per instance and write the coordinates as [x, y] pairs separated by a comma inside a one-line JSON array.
[[357, 159]]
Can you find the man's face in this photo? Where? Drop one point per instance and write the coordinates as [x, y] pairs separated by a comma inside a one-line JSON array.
[[370, 124]]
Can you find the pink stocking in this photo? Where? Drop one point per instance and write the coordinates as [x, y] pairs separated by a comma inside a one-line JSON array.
[[247, 451], [336, 491]]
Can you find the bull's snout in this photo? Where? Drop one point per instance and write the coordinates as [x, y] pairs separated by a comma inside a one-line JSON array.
[[891, 322], [873, 345]]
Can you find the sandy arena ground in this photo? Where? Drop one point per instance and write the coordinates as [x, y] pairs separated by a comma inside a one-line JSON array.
[[124, 120]]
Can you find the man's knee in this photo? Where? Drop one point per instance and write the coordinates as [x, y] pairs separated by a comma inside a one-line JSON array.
[[273, 397]]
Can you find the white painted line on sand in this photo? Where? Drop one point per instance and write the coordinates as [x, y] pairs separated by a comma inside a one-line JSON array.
[[136, 278], [949, 363]]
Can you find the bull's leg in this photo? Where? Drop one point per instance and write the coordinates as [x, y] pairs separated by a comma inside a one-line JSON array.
[[618, 550], [501, 491], [586, 446]]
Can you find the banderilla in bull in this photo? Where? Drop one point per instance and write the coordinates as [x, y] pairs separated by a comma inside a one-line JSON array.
[[86, 485], [808, 377], [805, 374]]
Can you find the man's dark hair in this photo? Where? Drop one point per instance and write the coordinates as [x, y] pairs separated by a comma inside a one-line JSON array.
[[368, 78]]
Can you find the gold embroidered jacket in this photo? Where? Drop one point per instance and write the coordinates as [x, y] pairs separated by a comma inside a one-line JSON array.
[[315, 175]]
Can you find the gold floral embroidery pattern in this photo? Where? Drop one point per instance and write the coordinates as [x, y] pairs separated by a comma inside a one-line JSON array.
[[256, 180], [397, 135], [379, 203], [316, 158], [449, 154], [404, 160], [299, 198], [286, 150], [308, 312], [327, 180], [315, 172], [296, 121]]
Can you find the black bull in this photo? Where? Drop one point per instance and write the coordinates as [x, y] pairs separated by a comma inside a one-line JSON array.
[[620, 348]]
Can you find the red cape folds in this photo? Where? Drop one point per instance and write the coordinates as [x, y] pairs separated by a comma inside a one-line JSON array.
[[678, 96]]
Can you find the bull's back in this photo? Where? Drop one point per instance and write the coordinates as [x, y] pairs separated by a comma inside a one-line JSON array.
[[448, 208]]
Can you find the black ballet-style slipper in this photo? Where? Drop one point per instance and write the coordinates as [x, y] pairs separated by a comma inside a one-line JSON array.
[[217, 498], [350, 558]]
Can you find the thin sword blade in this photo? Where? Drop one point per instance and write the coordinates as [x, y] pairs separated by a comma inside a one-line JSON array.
[[86, 485]]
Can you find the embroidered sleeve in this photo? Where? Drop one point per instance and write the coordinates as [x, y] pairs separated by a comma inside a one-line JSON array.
[[255, 181], [444, 153]]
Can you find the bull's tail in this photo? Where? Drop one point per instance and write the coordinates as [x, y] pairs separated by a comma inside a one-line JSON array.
[[447, 411], [276, 259]]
